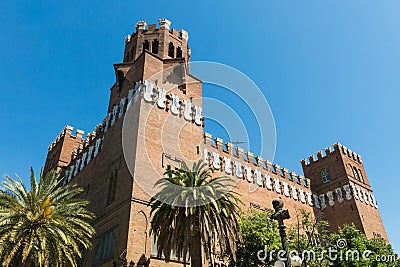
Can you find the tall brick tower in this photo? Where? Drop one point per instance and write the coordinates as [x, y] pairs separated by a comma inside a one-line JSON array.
[[153, 102], [342, 193]]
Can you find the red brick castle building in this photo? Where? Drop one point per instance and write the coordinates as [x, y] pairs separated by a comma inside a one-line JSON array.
[[152, 122]]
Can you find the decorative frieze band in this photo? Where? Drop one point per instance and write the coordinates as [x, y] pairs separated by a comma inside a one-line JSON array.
[[256, 176], [151, 94], [80, 163], [350, 191], [320, 201], [155, 94]]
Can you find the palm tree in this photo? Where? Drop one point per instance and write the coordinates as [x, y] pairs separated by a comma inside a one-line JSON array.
[[43, 226], [194, 212]]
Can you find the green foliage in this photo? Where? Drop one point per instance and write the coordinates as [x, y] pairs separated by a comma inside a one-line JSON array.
[[307, 235], [258, 233], [193, 209], [379, 248], [310, 235], [371, 252], [43, 226]]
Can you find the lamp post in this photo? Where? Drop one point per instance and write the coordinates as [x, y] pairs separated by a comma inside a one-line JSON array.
[[280, 215]]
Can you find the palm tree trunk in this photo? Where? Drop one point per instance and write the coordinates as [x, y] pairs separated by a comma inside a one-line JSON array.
[[195, 244]]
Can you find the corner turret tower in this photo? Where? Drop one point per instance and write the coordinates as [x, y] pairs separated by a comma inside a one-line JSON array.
[[60, 150], [342, 192]]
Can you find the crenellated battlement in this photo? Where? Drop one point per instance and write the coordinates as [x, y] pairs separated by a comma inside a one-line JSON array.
[[337, 148], [163, 41], [66, 132], [239, 153], [87, 142], [142, 27]]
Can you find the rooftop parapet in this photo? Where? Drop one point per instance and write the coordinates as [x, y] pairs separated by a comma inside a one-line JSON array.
[[164, 23], [66, 132], [256, 161], [161, 41], [337, 147], [141, 26]]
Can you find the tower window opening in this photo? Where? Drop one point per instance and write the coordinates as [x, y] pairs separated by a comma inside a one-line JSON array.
[[112, 186], [361, 175], [356, 175], [179, 52], [154, 47], [146, 45], [325, 176], [171, 49]]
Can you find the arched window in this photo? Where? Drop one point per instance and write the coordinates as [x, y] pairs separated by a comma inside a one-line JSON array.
[[171, 49], [178, 52], [325, 176], [356, 175], [146, 45], [361, 175], [154, 47]]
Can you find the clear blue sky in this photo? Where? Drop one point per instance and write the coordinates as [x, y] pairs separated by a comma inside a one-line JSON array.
[[329, 69]]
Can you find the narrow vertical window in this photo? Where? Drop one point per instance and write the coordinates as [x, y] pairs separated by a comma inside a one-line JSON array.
[[178, 52], [154, 48], [325, 176], [146, 45], [356, 175], [171, 49], [105, 247], [112, 186], [361, 175]]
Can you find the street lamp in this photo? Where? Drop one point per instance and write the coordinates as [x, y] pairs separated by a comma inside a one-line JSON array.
[[280, 215]]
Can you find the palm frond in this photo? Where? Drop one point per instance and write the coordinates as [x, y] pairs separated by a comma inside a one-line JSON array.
[[45, 226], [190, 202]]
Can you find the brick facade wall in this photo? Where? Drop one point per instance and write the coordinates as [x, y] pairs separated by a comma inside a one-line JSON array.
[[140, 144]]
